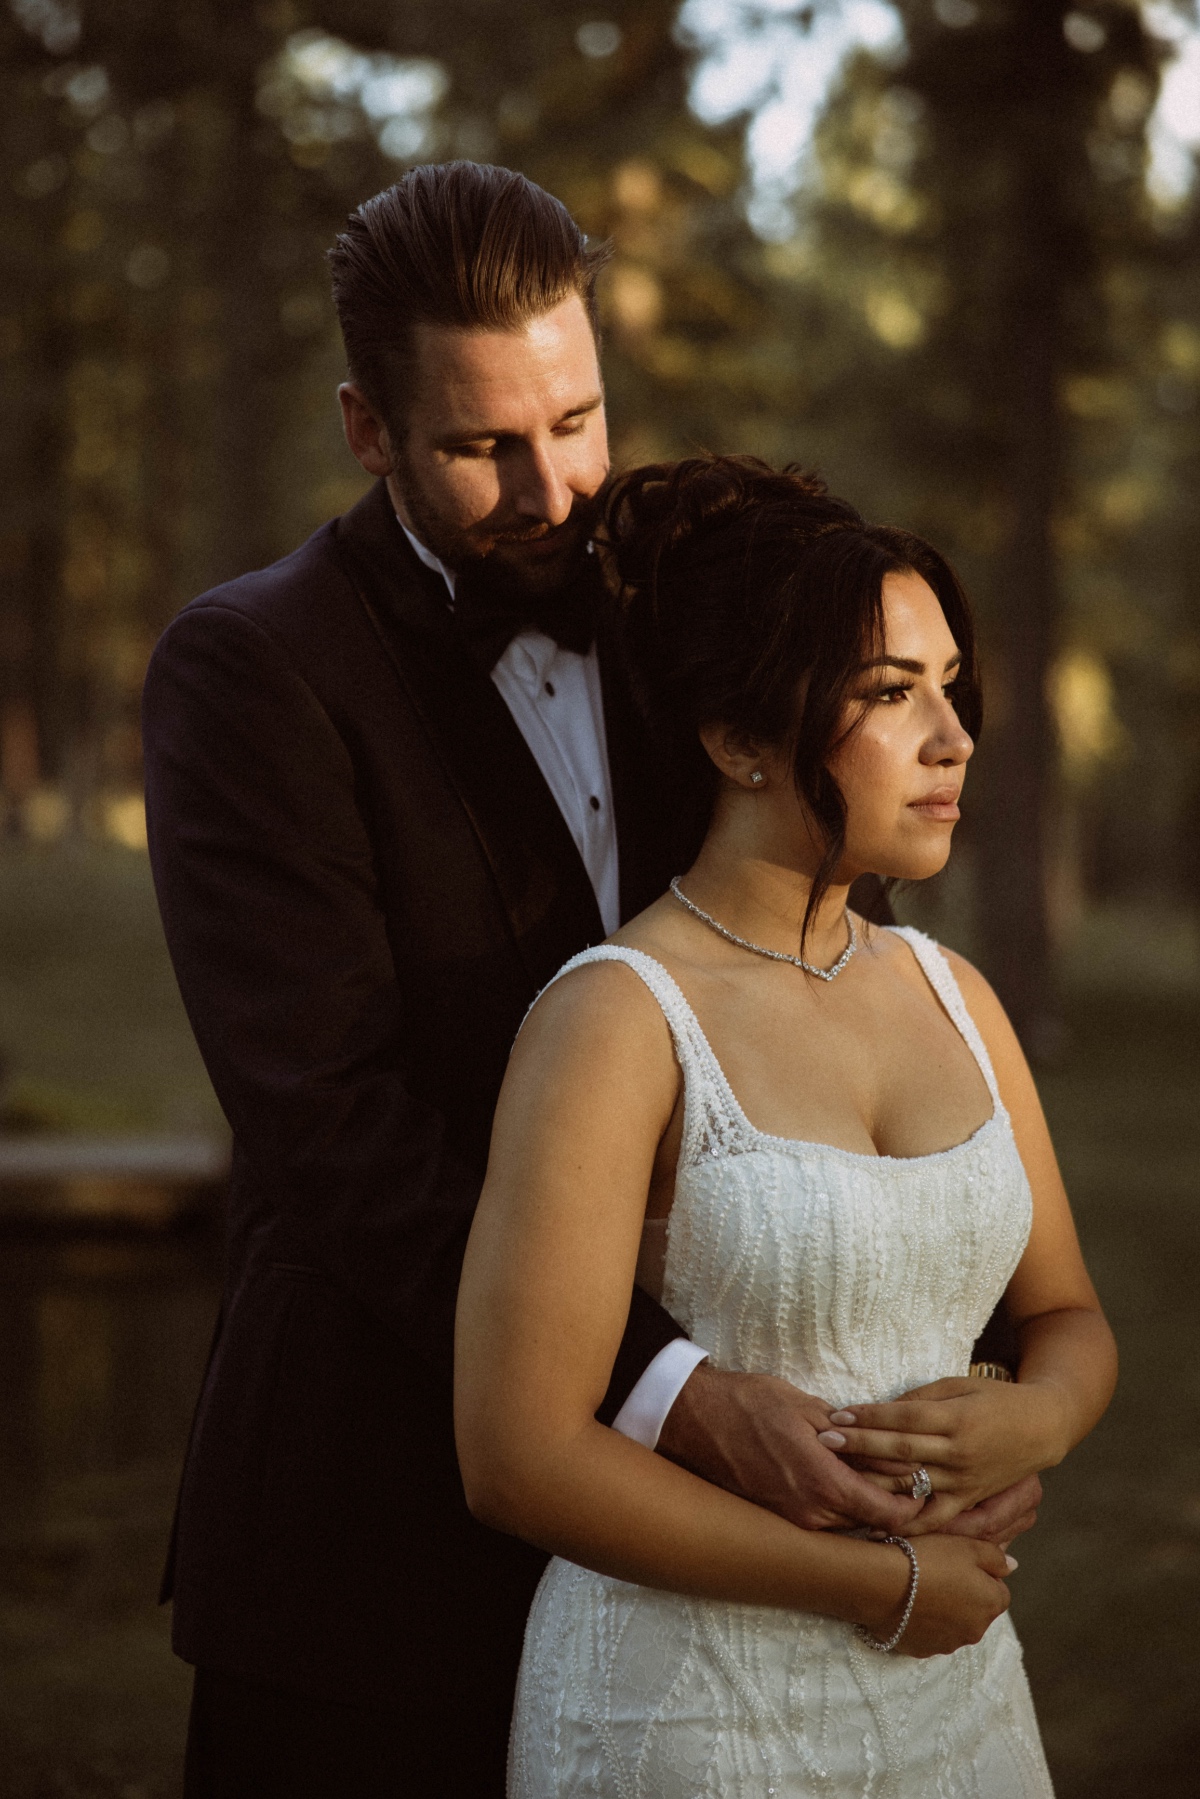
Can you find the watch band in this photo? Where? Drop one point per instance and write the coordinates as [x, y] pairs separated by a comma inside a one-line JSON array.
[[990, 1371]]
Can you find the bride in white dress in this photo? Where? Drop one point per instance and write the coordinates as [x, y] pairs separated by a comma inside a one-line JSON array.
[[818, 1142]]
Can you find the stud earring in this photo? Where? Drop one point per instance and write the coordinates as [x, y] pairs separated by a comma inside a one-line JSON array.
[[757, 778]]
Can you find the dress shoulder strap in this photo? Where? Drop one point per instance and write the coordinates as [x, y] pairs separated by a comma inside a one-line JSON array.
[[938, 973], [713, 1124]]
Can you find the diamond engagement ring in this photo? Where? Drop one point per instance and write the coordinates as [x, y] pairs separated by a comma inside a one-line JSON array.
[[922, 1486]]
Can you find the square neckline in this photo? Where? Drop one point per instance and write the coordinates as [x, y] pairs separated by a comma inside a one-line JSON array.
[[798, 1145]]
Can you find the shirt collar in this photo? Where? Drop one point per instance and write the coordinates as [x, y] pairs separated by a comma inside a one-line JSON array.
[[530, 657], [428, 558], [536, 650]]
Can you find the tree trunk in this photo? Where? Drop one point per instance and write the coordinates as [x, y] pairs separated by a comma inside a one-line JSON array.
[[1021, 752]]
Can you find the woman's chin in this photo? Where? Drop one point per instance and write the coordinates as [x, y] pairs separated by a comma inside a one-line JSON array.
[[913, 863], [923, 868]]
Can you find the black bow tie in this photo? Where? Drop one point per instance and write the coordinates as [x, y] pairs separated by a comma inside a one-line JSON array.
[[490, 609]]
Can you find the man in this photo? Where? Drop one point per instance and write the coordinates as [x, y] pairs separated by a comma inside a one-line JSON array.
[[393, 782]]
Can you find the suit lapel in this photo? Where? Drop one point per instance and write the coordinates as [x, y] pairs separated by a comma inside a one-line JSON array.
[[542, 883]]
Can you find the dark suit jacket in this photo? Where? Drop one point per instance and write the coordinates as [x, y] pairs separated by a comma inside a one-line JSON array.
[[364, 882]]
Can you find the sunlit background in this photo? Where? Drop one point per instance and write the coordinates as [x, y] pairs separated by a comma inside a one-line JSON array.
[[947, 251]]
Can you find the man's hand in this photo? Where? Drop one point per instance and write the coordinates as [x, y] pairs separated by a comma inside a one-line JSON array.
[[997, 1520], [757, 1437]]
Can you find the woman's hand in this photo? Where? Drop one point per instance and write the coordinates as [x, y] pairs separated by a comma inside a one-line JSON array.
[[760, 1437], [960, 1592], [974, 1438]]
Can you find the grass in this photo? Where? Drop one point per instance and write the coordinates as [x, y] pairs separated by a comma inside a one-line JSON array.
[[92, 1029], [1108, 1592]]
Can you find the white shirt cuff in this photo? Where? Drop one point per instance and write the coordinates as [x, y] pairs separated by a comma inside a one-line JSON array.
[[645, 1411]]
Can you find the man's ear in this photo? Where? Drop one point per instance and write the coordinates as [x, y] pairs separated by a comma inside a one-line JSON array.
[[733, 754], [366, 433]]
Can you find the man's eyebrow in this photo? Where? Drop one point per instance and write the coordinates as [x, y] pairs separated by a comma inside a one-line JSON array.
[[906, 662], [489, 433], [575, 412]]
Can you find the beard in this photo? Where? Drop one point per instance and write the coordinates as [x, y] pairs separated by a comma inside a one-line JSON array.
[[524, 556]]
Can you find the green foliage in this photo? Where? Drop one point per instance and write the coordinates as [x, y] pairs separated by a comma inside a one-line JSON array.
[[1001, 352], [980, 328], [167, 345]]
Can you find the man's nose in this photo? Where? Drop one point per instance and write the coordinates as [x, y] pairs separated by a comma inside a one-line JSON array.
[[543, 490]]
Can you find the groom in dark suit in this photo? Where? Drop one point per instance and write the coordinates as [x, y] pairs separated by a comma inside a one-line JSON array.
[[393, 783]]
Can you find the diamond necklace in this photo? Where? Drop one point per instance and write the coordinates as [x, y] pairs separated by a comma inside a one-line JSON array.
[[772, 955]]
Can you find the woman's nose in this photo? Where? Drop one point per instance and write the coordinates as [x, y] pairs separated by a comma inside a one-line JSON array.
[[949, 743]]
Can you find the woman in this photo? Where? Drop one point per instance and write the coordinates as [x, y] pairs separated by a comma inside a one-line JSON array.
[[818, 1142]]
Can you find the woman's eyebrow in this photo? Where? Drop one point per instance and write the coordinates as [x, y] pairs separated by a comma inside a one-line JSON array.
[[906, 662]]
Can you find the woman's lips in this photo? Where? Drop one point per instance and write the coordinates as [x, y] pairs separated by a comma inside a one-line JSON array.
[[941, 806]]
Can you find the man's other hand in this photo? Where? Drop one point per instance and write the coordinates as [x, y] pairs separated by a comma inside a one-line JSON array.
[[997, 1520], [757, 1437]]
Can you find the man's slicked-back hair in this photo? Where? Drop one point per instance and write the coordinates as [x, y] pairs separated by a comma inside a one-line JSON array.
[[463, 244]]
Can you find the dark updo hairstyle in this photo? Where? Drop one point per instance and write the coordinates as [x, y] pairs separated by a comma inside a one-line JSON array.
[[740, 582]]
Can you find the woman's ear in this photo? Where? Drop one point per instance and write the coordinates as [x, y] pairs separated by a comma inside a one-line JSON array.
[[734, 756]]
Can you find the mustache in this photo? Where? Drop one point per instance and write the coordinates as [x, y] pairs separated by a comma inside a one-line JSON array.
[[583, 516], [532, 533]]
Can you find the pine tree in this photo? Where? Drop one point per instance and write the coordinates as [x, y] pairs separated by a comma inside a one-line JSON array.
[[979, 198]]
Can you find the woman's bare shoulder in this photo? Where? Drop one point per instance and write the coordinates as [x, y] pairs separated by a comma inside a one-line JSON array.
[[603, 1002], [595, 1042], [889, 942], [995, 1027], [979, 996]]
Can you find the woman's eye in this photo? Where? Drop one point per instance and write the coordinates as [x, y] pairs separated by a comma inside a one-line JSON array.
[[891, 695]]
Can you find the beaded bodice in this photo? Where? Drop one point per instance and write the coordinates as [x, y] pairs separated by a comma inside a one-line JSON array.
[[853, 1276]]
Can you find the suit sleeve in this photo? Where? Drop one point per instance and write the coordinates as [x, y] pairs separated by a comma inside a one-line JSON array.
[[265, 880], [266, 886]]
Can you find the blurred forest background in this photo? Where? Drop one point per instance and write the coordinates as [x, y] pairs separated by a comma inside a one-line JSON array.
[[968, 306], [947, 251]]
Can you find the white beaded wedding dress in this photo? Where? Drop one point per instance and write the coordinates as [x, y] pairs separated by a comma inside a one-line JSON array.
[[855, 1277]]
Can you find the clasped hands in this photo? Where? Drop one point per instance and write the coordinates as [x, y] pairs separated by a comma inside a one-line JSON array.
[[978, 1441], [825, 1469]]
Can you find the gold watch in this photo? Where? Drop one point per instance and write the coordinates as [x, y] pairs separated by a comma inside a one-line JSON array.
[[990, 1371]]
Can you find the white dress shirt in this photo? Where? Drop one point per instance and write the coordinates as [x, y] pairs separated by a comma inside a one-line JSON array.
[[555, 699]]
